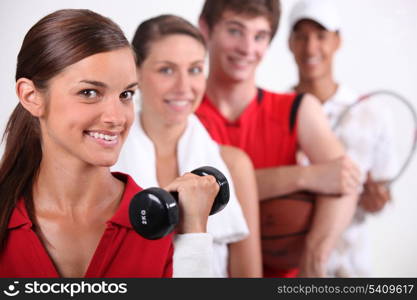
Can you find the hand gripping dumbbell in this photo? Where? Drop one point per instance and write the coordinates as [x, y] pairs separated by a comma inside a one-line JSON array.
[[154, 212]]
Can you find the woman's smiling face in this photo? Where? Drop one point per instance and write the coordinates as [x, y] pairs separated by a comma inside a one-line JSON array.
[[171, 78], [89, 108]]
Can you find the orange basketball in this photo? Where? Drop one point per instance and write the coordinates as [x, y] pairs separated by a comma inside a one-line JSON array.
[[284, 224]]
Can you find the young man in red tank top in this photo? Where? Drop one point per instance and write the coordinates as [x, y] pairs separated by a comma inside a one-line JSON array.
[[270, 127]]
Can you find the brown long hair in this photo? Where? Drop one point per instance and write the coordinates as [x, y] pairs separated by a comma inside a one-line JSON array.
[[159, 27], [55, 42], [271, 9]]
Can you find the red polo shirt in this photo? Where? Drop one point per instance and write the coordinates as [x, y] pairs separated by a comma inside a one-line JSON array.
[[121, 252], [266, 130]]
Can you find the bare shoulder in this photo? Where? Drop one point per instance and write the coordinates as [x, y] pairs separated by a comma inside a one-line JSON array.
[[315, 136], [309, 105], [235, 157], [243, 175], [311, 118]]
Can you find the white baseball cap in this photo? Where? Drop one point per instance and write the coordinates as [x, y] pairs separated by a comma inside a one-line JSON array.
[[322, 12]]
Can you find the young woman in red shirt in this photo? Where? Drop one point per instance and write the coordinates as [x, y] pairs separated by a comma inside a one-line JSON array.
[[62, 212]]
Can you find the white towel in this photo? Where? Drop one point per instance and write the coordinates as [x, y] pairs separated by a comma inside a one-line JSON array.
[[195, 149]]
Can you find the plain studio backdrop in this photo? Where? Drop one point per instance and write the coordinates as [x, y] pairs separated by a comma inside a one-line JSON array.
[[379, 50]]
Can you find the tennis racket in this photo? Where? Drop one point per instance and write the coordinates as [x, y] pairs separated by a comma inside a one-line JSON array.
[[403, 121]]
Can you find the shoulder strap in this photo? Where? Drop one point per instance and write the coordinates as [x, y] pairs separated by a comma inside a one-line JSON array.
[[294, 109]]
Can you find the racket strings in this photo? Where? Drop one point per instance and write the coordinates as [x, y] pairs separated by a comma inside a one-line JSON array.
[[408, 105]]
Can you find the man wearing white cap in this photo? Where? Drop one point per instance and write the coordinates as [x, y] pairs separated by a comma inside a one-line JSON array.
[[314, 39]]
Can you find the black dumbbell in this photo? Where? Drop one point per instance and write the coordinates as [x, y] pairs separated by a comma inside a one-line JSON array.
[[154, 212]]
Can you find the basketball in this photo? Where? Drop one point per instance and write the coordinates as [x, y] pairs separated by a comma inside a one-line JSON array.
[[285, 222]]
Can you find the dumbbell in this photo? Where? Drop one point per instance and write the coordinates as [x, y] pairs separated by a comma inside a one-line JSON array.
[[154, 212]]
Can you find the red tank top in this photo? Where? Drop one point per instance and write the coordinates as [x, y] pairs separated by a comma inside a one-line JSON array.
[[266, 130]]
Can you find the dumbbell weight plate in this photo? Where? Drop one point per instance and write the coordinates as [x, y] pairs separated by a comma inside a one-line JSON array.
[[151, 217], [223, 195]]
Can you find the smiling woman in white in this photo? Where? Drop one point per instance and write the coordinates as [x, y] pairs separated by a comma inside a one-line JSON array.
[[195, 149], [167, 140]]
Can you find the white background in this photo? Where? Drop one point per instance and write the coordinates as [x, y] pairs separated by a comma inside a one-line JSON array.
[[379, 51]]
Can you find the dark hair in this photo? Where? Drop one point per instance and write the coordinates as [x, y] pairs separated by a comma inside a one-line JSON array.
[[55, 42], [271, 9], [159, 27]]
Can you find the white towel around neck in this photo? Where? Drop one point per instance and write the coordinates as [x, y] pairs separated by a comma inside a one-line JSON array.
[[195, 149]]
